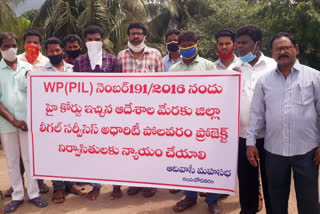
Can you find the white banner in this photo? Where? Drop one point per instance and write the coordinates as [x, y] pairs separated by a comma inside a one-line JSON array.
[[169, 130]]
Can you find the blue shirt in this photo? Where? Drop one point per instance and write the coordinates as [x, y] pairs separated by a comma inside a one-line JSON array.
[[288, 109], [167, 62], [13, 93]]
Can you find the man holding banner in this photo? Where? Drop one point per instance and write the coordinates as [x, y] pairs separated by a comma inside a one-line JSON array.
[[191, 61], [139, 58], [96, 60], [13, 128]]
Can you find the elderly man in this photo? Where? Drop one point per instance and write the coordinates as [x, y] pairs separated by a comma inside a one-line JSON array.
[[286, 102], [13, 128]]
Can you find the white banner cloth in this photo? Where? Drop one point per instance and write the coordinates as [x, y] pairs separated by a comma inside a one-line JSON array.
[[168, 130]]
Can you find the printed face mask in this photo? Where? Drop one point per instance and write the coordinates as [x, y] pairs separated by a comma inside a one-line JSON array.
[[10, 54], [32, 52], [189, 52]]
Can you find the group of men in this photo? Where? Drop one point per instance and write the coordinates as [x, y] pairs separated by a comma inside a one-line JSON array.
[[280, 104]]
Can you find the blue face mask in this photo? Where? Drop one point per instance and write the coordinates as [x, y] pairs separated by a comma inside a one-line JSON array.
[[249, 56], [189, 52]]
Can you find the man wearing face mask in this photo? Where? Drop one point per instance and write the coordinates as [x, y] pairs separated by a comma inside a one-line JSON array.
[[72, 47], [138, 57], [32, 46], [96, 60], [54, 51], [191, 61], [253, 65], [172, 48], [225, 47], [13, 128]]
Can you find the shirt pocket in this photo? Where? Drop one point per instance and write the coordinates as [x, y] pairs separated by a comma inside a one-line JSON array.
[[304, 94]]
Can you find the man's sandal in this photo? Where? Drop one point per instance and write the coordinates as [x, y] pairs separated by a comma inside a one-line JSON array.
[[183, 205], [77, 190], [174, 191], [116, 193], [8, 193], [133, 190], [58, 196], [12, 206], [215, 211], [43, 187], [93, 194], [148, 192], [38, 202]]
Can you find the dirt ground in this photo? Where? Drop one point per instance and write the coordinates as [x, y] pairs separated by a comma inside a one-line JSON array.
[[161, 203]]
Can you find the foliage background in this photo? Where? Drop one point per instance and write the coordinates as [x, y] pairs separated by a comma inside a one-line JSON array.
[[205, 17]]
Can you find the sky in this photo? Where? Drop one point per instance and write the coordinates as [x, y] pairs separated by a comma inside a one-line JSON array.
[[27, 5]]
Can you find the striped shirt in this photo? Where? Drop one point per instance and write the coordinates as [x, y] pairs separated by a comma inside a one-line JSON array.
[[109, 64], [150, 61], [288, 109]]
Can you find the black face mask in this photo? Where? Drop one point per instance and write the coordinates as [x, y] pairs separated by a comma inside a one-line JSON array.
[[172, 46], [55, 60], [73, 54]]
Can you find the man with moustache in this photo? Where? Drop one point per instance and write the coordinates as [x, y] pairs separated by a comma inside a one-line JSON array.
[[225, 47], [286, 103], [172, 48], [253, 64], [139, 58]]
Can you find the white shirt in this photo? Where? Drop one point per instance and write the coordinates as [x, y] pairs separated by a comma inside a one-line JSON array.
[[38, 63], [249, 76]]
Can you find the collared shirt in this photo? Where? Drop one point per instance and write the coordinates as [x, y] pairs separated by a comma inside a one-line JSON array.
[[38, 63], [249, 76], [109, 64], [199, 64], [149, 61], [288, 109], [221, 66], [167, 62], [66, 67], [13, 93], [69, 60]]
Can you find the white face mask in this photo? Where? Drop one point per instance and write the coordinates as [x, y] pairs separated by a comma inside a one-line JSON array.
[[10, 54], [137, 48], [95, 53]]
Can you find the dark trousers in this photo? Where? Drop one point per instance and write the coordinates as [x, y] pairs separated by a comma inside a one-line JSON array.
[[211, 198], [249, 179], [65, 185], [305, 175]]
